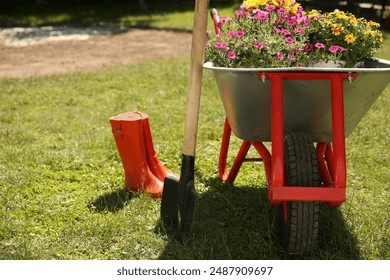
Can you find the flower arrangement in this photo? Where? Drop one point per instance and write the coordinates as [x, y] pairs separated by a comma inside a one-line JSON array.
[[278, 33]]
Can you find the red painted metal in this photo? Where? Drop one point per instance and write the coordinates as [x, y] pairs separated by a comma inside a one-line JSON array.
[[331, 157], [217, 21], [229, 177]]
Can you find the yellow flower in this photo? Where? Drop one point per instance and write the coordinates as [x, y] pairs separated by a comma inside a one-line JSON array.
[[373, 23], [287, 3], [369, 33], [295, 9], [313, 13], [349, 38], [353, 20], [341, 15], [380, 37], [277, 3], [253, 4], [337, 28]]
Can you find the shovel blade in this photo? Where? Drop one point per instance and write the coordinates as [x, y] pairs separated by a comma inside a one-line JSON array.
[[169, 207], [187, 212], [179, 197]]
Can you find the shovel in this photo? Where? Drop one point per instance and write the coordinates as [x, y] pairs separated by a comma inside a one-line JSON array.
[[179, 196]]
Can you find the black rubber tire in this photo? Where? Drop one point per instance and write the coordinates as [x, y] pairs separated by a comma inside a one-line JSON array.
[[299, 228]]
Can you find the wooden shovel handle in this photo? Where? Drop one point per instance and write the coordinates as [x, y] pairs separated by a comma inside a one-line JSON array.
[[195, 76]]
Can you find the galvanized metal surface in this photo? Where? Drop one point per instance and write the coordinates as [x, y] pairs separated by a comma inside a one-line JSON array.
[[307, 104]]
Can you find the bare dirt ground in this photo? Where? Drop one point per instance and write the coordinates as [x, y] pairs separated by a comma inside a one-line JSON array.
[[27, 52]]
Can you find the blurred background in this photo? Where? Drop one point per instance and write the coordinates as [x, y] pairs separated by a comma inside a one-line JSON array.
[[103, 12]]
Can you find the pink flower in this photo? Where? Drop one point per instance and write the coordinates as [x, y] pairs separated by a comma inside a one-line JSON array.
[[292, 58], [270, 8], [299, 30], [219, 24], [231, 33], [240, 34], [306, 21], [277, 30], [289, 40], [241, 14], [280, 56], [285, 32], [226, 19], [259, 45], [232, 55], [244, 7], [333, 49], [282, 11], [292, 22], [319, 45], [261, 15], [221, 45]]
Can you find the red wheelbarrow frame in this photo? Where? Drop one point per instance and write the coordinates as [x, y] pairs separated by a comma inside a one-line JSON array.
[[331, 157]]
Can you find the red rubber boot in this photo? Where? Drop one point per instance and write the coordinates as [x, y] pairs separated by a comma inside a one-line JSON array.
[[128, 133], [155, 165]]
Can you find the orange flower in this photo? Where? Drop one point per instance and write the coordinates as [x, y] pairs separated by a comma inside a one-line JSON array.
[[337, 28]]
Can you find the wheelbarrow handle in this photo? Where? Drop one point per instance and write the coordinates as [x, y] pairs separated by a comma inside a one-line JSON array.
[[217, 21]]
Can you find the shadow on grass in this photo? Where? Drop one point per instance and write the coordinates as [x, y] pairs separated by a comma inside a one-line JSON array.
[[112, 202], [239, 223]]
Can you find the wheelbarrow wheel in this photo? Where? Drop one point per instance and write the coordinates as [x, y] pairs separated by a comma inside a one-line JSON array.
[[300, 219]]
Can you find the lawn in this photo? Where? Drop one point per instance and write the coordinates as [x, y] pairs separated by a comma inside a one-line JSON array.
[[62, 183]]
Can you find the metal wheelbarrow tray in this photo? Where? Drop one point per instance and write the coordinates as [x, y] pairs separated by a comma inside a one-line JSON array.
[[306, 114]]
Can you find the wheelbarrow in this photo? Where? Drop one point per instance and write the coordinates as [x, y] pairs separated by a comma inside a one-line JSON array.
[[306, 114]]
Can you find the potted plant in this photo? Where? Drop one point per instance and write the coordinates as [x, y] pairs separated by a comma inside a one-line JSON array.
[[279, 33]]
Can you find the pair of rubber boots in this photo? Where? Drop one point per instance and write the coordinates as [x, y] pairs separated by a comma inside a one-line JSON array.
[[143, 170]]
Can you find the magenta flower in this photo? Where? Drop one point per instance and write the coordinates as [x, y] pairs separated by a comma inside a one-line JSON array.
[[244, 7], [232, 55], [259, 45], [240, 34], [280, 56], [277, 30], [319, 45], [306, 21], [241, 14], [219, 24], [270, 8], [333, 49], [292, 22], [231, 33], [285, 31], [282, 11], [221, 45], [341, 49], [289, 40], [292, 58], [226, 19], [299, 30], [261, 15]]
